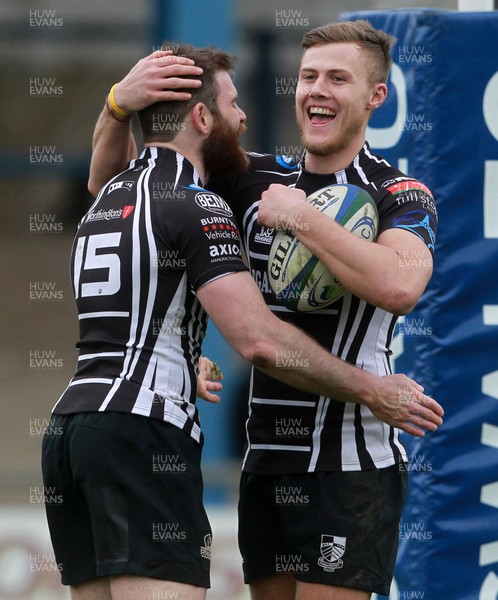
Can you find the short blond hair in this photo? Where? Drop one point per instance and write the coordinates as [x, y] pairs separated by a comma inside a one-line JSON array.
[[376, 42]]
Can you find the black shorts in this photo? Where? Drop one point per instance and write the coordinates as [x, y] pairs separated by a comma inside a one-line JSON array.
[[339, 528], [123, 495]]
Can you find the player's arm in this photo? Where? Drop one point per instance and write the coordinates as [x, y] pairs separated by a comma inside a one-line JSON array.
[[238, 309], [113, 148], [157, 77], [391, 274]]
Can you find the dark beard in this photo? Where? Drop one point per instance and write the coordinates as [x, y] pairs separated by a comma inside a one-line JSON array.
[[221, 152]]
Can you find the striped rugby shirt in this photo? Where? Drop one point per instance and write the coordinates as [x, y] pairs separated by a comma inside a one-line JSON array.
[[150, 240], [289, 430]]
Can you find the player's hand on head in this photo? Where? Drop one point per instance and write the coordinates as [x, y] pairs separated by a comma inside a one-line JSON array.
[[160, 76], [401, 402], [208, 380]]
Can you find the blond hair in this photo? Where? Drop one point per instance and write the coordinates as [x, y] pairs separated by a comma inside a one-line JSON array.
[[375, 42]]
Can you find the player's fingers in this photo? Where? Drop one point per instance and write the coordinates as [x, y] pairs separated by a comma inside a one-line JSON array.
[[429, 404], [432, 405], [210, 396], [174, 96], [412, 430], [169, 68], [213, 398], [159, 54], [159, 94], [424, 418], [423, 423], [176, 78], [153, 56], [423, 399], [163, 59], [214, 386]]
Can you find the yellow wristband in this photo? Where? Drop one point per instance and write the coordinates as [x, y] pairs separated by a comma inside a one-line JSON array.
[[115, 107], [114, 115]]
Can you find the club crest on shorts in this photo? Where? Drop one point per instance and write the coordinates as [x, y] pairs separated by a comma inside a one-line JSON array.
[[332, 548], [206, 549]]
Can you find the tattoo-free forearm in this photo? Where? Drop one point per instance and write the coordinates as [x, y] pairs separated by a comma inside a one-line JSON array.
[[113, 148]]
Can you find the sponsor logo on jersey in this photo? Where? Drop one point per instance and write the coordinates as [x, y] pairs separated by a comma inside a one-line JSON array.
[[332, 548], [206, 549], [406, 186], [127, 210], [127, 185], [417, 195], [213, 203], [286, 161], [224, 250], [409, 190], [395, 180], [105, 215], [218, 228], [418, 222], [261, 279], [265, 236]]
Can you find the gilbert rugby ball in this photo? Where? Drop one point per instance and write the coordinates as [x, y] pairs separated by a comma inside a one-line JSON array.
[[296, 276]]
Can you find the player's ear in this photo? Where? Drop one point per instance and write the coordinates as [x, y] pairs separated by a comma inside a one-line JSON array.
[[202, 118], [378, 95]]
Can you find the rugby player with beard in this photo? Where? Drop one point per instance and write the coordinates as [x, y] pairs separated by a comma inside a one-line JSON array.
[[347, 459]]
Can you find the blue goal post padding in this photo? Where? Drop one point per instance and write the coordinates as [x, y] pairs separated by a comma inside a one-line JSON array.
[[440, 124]]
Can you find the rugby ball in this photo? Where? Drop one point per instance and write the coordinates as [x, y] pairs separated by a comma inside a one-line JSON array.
[[296, 276]]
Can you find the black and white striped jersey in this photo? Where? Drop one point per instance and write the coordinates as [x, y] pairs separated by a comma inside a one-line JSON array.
[[291, 431], [150, 240]]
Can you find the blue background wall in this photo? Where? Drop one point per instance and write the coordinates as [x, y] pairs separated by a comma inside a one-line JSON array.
[[440, 123]]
